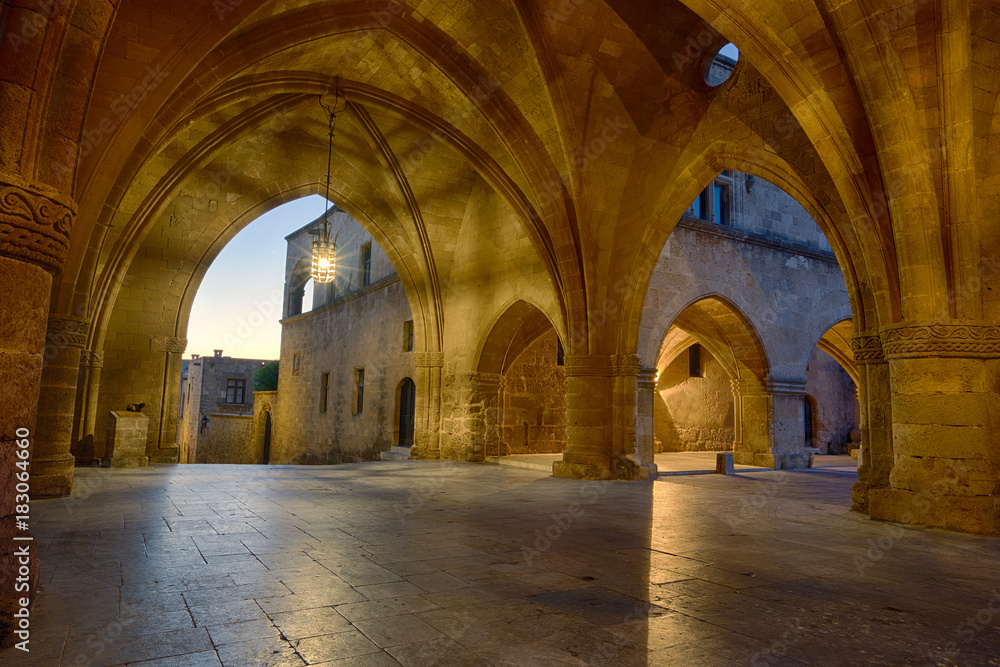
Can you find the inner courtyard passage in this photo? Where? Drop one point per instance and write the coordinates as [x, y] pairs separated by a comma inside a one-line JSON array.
[[598, 231], [441, 563]]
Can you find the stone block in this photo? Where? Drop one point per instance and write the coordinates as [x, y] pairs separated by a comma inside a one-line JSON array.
[[126, 443], [724, 463]]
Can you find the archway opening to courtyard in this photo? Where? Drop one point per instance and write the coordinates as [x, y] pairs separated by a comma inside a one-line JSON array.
[[743, 294], [520, 384]]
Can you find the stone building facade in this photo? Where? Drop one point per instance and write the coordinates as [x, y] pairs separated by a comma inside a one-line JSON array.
[[213, 386], [344, 360]]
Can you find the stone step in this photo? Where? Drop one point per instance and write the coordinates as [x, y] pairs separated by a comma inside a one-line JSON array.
[[515, 463], [396, 454]]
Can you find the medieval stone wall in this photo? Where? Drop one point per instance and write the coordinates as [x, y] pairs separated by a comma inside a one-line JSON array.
[[788, 296], [693, 414], [534, 401], [205, 395], [834, 392], [364, 330], [230, 440]]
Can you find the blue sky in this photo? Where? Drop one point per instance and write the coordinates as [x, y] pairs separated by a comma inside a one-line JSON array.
[[239, 302]]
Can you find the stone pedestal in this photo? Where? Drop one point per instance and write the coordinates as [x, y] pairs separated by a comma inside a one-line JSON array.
[[126, 440]]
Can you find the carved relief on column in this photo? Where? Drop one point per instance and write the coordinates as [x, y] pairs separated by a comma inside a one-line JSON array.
[[867, 349], [35, 223], [428, 359], [91, 359], [967, 340], [66, 332], [169, 344]]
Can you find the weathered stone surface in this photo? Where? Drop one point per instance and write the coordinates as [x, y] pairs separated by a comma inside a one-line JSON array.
[[126, 440]]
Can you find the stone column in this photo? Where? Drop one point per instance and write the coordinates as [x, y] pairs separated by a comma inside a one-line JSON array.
[[484, 410], [52, 462], [752, 429], [644, 427], [35, 224], [164, 433], [88, 386], [427, 427], [787, 417], [875, 418], [601, 413], [945, 378]]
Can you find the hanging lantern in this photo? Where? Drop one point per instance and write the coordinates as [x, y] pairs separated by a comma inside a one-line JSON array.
[[324, 259], [324, 250]]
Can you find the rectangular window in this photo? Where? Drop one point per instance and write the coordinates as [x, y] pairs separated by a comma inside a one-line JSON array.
[[359, 390], [366, 264], [694, 361], [324, 392], [235, 390], [408, 336], [721, 203], [699, 208]]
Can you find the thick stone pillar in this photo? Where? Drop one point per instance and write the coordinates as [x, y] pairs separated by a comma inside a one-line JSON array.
[[163, 437], [601, 413], [429, 367], [52, 463], [874, 401], [752, 430], [88, 387], [35, 224], [644, 427], [787, 417], [485, 411], [945, 381]]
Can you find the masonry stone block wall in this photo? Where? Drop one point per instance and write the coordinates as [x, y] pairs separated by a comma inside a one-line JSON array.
[[534, 401], [351, 327], [693, 414], [205, 394], [835, 397], [230, 440]]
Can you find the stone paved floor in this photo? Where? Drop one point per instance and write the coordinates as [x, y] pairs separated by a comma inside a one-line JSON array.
[[432, 563]]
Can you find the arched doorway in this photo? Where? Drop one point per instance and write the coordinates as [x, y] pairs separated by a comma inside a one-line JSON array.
[[521, 382], [267, 439], [407, 410]]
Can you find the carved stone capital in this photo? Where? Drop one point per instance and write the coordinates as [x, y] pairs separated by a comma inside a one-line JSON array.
[[598, 365], [625, 365], [168, 344], [89, 359], [647, 378], [867, 349], [67, 332], [967, 340], [428, 359], [778, 387], [35, 223]]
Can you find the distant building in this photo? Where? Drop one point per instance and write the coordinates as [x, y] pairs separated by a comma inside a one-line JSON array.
[[210, 387]]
